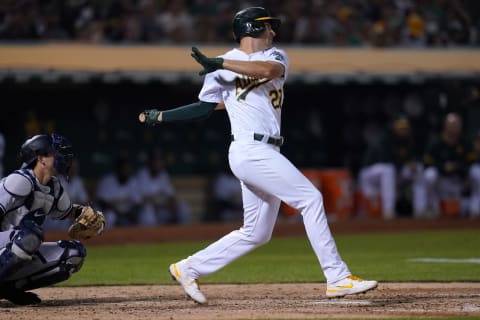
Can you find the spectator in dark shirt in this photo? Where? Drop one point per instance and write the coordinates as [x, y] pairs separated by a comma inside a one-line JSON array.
[[446, 164]]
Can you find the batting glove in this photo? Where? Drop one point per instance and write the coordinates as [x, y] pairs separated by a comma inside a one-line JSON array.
[[209, 64], [151, 117]]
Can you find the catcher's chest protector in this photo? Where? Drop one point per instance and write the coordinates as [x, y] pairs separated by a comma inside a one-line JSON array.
[[25, 196]]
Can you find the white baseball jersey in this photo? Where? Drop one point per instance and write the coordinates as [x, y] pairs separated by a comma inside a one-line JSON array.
[[155, 192], [267, 177], [245, 97], [157, 189], [122, 197]]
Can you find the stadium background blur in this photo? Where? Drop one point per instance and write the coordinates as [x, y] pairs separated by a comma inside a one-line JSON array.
[[330, 117]]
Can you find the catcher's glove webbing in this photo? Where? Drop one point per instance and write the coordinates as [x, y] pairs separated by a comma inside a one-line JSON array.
[[88, 223]]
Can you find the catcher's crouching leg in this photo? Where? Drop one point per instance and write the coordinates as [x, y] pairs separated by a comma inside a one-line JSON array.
[[53, 263], [24, 242]]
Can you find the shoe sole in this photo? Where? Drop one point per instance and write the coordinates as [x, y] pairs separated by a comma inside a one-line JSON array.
[[341, 295], [186, 294]]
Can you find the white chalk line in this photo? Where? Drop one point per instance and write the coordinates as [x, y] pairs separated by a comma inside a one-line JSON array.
[[342, 302], [468, 307], [446, 260]]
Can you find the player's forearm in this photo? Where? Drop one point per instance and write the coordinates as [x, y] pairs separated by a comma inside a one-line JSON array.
[[256, 69], [195, 111]]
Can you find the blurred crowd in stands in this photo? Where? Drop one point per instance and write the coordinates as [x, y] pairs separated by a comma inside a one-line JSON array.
[[410, 23]]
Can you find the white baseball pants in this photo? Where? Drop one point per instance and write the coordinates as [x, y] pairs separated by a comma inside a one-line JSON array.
[[474, 205], [267, 178], [381, 179], [440, 187]]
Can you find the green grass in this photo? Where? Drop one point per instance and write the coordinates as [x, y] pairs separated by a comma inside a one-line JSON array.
[[380, 256]]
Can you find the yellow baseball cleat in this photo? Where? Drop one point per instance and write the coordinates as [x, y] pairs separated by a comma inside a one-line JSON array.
[[350, 285], [190, 285]]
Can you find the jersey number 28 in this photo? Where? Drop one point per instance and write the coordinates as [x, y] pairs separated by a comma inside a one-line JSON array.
[[276, 98]]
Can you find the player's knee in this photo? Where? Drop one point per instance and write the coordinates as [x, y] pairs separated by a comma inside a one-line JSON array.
[[69, 261], [261, 239], [27, 240], [314, 201], [73, 255], [24, 243], [256, 238]]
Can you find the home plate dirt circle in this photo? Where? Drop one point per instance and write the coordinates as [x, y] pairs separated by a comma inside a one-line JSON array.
[[247, 301]]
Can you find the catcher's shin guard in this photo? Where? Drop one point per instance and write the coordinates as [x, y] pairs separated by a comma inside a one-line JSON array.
[[24, 242], [7, 261], [53, 263]]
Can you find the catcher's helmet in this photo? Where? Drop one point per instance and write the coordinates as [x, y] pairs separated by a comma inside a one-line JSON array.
[[251, 22], [42, 145]]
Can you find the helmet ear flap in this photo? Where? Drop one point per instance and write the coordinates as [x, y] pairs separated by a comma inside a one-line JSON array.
[[251, 22], [255, 28]]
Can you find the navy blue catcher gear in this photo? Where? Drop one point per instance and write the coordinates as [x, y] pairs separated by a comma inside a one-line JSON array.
[[8, 260], [251, 22], [43, 145], [25, 241], [29, 236], [54, 262], [39, 145]]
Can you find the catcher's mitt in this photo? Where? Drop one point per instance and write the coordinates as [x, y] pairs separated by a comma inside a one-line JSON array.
[[88, 223]]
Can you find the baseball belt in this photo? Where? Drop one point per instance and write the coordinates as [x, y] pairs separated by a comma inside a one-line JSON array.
[[263, 138]]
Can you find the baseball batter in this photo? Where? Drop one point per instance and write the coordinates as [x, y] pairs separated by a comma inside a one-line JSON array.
[[27, 197], [248, 83]]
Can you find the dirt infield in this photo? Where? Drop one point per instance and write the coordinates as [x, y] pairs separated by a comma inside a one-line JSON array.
[[260, 301]]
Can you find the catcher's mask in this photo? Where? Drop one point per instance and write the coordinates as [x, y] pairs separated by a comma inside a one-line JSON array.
[[44, 145], [251, 22]]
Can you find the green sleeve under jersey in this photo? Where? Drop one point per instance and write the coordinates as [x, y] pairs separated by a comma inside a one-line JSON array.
[[195, 111]]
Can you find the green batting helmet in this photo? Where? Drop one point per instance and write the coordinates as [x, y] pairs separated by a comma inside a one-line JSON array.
[[251, 22]]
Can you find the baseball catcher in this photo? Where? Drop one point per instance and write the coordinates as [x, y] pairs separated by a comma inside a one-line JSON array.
[[27, 197]]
